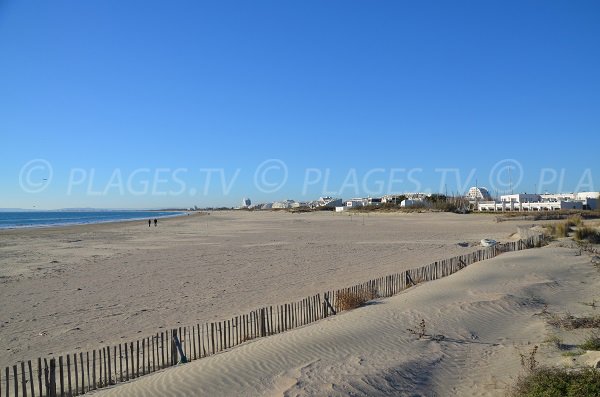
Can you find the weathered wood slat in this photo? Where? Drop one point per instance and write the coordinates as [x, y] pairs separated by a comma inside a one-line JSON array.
[[127, 373], [46, 377], [120, 363], [23, 381], [39, 370], [87, 367], [76, 373], [61, 378], [31, 382], [16, 381], [137, 358], [109, 369], [94, 383], [53, 377]]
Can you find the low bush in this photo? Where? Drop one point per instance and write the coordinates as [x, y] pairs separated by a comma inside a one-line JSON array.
[[552, 382], [591, 343]]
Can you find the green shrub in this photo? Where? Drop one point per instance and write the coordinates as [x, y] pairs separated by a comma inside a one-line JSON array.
[[591, 343], [553, 382], [573, 353]]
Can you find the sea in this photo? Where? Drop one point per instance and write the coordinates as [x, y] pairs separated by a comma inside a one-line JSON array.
[[17, 219]]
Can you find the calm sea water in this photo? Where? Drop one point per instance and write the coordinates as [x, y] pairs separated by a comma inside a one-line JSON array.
[[60, 218]]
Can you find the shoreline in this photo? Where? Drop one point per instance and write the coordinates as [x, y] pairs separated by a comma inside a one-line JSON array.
[[99, 222]]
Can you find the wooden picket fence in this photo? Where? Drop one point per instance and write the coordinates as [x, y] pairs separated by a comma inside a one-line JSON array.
[[78, 373]]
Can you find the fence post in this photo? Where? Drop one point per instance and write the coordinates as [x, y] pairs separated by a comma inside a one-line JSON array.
[[327, 305], [61, 376], [23, 382], [39, 373], [16, 381], [263, 328], [31, 382], [52, 377], [179, 349]]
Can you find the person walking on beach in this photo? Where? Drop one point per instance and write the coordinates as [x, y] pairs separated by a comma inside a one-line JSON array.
[[155, 222], [149, 222]]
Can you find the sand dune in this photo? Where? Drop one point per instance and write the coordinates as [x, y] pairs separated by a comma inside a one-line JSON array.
[[487, 313]]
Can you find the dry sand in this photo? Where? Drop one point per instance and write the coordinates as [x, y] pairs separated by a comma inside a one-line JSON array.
[[76, 288], [488, 313]]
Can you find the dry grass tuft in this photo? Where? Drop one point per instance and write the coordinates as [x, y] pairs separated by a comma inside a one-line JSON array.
[[348, 300], [420, 330], [587, 233], [561, 230], [529, 362], [574, 220], [569, 321]]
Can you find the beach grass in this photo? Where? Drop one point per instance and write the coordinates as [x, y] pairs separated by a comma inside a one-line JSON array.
[[555, 382], [587, 233]]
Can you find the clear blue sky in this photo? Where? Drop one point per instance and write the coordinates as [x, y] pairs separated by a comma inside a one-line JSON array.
[[100, 89]]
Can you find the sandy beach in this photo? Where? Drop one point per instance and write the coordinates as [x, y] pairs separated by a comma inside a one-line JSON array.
[[483, 316], [75, 288]]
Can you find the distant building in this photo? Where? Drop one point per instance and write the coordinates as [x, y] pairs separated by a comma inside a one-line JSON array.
[[327, 201], [374, 201], [589, 199], [520, 198], [543, 202], [284, 204], [246, 203], [478, 193], [393, 198], [356, 202], [412, 203], [361, 202]]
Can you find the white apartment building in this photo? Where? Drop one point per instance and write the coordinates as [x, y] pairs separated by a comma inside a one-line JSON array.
[[543, 202]]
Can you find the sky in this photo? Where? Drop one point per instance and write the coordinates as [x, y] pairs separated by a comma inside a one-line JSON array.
[[147, 104]]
